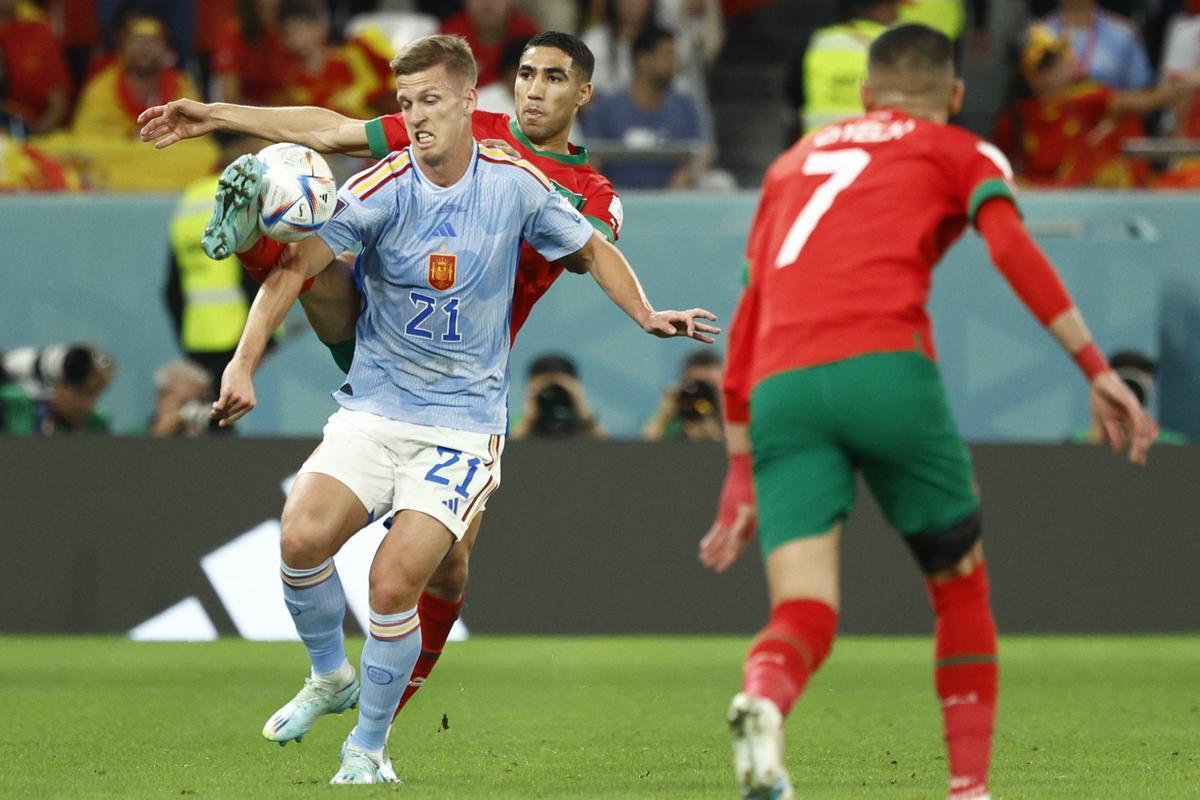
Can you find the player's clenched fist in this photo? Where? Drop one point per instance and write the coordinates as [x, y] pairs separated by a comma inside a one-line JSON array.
[[237, 395]]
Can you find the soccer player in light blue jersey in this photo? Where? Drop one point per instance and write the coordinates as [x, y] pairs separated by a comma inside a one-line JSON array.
[[423, 410]]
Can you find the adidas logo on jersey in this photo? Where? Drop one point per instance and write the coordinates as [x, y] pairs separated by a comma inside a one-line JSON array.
[[451, 504], [444, 229]]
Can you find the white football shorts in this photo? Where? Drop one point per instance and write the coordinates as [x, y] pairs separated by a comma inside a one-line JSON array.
[[389, 465]]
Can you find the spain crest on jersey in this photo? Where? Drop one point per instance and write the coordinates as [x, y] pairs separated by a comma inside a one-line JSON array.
[[442, 270]]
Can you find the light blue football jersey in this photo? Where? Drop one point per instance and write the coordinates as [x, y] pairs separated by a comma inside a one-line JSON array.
[[437, 269]]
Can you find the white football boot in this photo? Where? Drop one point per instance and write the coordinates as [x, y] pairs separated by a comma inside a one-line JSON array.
[[316, 699], [359, 766], [757, 729]]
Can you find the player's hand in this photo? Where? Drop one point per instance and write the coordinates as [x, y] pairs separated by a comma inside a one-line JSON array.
[[175, 121], [237, 395], [500, 144], [1121, 417], [665, 324], [736, 518]]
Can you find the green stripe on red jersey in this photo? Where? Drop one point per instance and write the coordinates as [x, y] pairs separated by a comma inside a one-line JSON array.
[[377, 138], [993, 187], [601, 226]]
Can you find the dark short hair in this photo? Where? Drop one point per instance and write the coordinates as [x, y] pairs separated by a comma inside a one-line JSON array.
[[510, 56], [308, 10], [912, 47], [581, 55], [649, 39], [452, 51], [706, 357], [1133, 358], [551, 363]]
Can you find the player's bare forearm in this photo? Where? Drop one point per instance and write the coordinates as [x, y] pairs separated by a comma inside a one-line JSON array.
[[321, 129], [277, 295], [616, 277]]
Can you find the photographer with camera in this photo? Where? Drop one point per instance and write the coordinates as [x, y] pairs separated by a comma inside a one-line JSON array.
[[182, 400], [691, 409], [52, 390], [555, 406]]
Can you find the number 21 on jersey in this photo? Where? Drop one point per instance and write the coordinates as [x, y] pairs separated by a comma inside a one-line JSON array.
[[843, 167]]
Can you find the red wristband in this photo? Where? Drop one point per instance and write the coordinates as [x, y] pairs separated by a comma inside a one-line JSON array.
[[1091, 361], [738, 489]]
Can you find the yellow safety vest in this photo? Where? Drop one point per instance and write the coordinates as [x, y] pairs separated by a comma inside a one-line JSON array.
[[835, 65], [214, 307], [946, 16]]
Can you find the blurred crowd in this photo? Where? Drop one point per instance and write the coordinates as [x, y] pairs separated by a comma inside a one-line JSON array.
[[1090, 81], [75, 74]]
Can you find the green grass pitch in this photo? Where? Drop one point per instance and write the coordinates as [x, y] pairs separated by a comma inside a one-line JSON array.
[[592, 718]]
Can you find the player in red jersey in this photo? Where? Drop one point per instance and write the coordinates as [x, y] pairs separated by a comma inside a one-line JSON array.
[[553, 84], [831, 371]]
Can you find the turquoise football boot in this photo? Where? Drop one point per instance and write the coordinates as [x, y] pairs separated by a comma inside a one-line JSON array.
[[234, 223]]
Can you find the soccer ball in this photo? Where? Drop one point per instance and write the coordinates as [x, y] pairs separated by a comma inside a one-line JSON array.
[[298, 192]]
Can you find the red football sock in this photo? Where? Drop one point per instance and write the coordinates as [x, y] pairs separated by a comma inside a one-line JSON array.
[[789, 650], [262, 257], [437, 618], [966, 677]]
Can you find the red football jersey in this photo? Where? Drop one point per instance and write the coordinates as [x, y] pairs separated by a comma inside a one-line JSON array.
[[841, 253], [586, 190]]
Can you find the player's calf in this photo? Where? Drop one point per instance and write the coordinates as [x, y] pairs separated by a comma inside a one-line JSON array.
[[966, 671]]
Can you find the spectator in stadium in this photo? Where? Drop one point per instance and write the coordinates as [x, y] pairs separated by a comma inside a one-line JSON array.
[[699, 33], [1140, 373], [54, 390], [1107, 46], [823, 80], [611, 40], [1067, 131], [348, 79], [651, 115], [691, 409], [497, 96], [38, 83], [182, 401], [1181, 61], [177, 17], [555, 405], [951, 18], [208, 300], [490, 26], [140, 77], [249, 61], [24, 168]]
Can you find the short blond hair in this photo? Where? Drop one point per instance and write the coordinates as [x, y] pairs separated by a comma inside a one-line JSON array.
[[451, 51]]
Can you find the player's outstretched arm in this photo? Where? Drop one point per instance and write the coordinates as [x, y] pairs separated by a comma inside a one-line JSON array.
[[319, 128], [618, 280], [1124, 422], [275, 298]]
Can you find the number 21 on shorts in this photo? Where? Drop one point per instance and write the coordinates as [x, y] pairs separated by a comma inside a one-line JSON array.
[[843, 167]]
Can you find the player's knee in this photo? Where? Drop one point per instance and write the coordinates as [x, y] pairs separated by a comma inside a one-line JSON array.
[[948, 550], [449, 581], [304, 540], [392, 595]]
